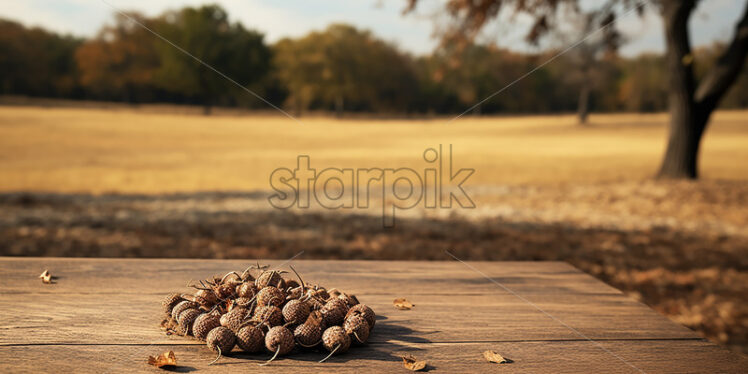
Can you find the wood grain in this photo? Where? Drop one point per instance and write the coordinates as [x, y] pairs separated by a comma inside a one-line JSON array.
[[102, 315]]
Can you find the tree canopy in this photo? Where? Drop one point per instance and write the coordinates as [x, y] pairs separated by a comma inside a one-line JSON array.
[[345, 67], [207, 34], [36, 62], [338, 68]]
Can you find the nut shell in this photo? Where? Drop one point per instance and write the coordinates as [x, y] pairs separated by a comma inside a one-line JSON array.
[[350, 300], [315, 303], [279, 336], [318, 292], [296, 312], [247, 277], [364, 311], [250, 339], [242, 302], [206, 298], [246, 289], [234, 318], [334, 336], [204, 323], [186, 319], [171, 301], [182, 306], [357, 327], [270, 278], [292, 284], [221, 337], [269, 315], [293, 293], [334, 311], [307, 334], [271, 296], [225, 291]]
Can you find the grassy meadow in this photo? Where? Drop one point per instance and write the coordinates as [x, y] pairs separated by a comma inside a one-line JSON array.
[[140, 151]]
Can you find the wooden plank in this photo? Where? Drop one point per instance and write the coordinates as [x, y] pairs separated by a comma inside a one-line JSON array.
[[679, 356], [492, 317], [103, 314], [368, 277]]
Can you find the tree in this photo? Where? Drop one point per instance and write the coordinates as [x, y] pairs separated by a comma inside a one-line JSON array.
[[706, 57], [207, 34], [690, 104], [591, 58], [345, 68], [644, 88], [121, 61], [472, 72], [36, 62]]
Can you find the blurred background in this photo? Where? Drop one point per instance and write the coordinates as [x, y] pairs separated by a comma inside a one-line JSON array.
[[609, 134]]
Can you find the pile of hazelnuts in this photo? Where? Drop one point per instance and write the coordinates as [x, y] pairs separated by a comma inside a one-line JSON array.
[[267, 311]]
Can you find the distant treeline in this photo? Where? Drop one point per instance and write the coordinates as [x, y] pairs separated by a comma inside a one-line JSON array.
[[338, 69]]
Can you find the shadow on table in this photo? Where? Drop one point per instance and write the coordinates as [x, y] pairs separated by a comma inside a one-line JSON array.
[[180, 369], [388, 342]]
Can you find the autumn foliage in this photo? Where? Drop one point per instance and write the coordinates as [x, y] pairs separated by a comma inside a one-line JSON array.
[[340, 68]]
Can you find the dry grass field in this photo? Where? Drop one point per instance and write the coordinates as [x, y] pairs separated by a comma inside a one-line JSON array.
[[96, 150], [155, 182]]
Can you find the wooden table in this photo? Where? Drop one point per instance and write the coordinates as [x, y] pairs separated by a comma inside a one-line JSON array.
[[102, 315]]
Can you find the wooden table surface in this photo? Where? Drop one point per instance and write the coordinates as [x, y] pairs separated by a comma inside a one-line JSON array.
[[102, 315]]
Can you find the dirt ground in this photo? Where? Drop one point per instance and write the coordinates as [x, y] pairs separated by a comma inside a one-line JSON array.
[[690, 264]]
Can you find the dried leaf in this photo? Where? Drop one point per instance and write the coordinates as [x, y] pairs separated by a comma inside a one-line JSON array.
[[402, 304], [166, 359], [46, 277], [413, 364], [492, 356]]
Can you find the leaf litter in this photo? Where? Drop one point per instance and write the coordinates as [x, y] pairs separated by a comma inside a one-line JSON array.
[[413, 364], [165, 360], [402, 304]]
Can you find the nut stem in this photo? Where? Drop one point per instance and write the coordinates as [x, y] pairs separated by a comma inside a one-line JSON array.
[[357, 338], [277, 350], [303, 287], [331, 353], [217, 357], [308, 346]]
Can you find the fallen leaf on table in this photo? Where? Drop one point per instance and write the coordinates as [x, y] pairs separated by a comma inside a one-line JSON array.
[[492, 356], [46, 277], [166, 359], [402, 304], [413, 364]]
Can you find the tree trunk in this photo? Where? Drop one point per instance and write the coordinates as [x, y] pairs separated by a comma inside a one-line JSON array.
[[297, 105], [686, 129], [685, 133], [583, 104], [339, 106], [690, 108]]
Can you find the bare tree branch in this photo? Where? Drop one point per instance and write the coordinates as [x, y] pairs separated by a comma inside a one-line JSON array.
[[722, 75]]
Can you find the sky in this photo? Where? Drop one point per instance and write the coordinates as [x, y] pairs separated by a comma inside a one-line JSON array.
[[714, 20]]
